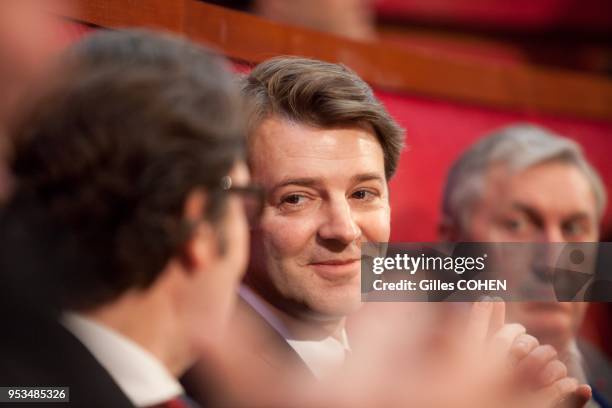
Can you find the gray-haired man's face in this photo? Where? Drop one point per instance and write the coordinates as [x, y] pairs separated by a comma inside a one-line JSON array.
[[549, 202]]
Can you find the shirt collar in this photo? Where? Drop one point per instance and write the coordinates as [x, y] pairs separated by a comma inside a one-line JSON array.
[[320, 356], [139, 374], [574, 362]]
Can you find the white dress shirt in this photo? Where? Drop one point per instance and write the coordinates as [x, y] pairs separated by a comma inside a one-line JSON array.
[[139, 374], [320, 356], [574, 362]]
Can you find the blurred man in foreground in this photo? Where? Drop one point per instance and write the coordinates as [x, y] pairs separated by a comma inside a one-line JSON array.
[[527, 184], [128, 178]]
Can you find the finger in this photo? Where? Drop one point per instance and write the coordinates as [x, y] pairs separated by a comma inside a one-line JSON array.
[[479, 323], [504, 338], [554, 370], [522, 346], [559, 391], [529, 367], [578, 399], [582, 396]]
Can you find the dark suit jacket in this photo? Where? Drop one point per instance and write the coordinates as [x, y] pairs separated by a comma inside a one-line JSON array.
[[266, 343], [39, 351]]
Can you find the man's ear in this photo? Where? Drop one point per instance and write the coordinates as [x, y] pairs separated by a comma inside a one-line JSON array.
[[201, 246]]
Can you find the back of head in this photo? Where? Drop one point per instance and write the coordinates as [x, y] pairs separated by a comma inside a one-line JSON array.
[[104, 160], [517, 148], [323, 95]]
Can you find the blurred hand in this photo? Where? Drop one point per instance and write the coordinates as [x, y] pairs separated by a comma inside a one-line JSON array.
[[486, 364], [395, 363], [527, 374]]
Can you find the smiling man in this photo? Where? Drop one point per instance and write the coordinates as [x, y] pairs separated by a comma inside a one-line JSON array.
[[323, 147]]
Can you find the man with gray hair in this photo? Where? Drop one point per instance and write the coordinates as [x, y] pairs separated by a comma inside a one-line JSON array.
[[528, 184]]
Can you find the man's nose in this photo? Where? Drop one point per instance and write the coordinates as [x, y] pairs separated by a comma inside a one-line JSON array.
[[549, 251], [552, 234], [339, 223]]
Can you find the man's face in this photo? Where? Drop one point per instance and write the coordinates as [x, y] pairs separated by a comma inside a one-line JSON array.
[[326, 193], [550, 202]]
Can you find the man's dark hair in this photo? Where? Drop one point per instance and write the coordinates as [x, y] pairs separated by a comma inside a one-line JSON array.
[[104, 161], [320, 94]]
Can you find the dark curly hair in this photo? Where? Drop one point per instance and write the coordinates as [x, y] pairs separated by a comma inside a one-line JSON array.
[[103, 162]]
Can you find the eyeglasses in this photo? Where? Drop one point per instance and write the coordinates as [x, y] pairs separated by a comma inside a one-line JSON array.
[[252, 195]]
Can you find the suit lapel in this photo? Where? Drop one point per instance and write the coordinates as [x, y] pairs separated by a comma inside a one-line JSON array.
[[59, 359], [268, 343]]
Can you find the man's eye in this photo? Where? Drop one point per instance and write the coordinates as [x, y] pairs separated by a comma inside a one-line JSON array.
[[513, 225], [293, 199], [573, 228], [363, 195]]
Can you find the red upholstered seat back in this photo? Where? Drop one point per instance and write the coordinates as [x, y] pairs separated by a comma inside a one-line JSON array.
[[438, 131]]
